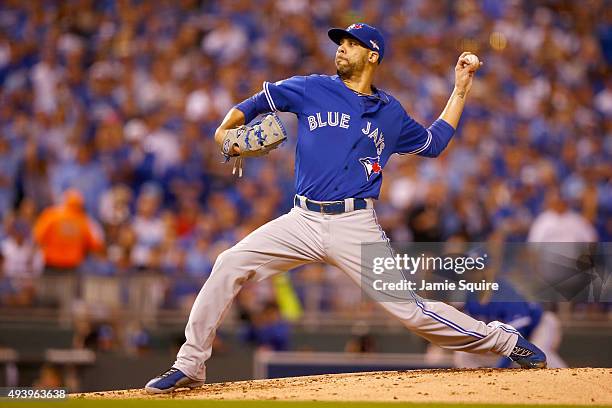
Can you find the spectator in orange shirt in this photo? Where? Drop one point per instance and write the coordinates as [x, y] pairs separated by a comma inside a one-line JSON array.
[[66, 235]]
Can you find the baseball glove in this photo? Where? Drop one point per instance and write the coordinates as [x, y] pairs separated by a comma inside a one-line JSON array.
[[255, 140]]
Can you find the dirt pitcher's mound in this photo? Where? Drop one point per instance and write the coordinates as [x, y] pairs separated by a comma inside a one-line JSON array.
[[513, 386]]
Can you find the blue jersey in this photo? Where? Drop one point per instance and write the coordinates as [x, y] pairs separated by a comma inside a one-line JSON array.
[[344, 138]]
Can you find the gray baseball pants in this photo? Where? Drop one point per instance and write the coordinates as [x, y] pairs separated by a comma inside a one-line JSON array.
[[301, 237]]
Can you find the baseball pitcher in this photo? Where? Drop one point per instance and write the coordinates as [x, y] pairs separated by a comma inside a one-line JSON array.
[[347, 131]]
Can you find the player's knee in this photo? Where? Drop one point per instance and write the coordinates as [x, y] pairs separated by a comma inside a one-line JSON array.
[[231, 261], [231, 270]]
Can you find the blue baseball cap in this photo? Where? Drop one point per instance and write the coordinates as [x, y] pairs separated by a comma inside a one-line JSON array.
[[367, 35]]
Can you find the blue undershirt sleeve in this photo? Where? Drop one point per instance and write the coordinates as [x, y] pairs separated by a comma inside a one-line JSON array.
[[253, 106], [441, 134]]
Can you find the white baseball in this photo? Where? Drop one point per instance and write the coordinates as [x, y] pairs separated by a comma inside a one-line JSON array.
[[472, 60]]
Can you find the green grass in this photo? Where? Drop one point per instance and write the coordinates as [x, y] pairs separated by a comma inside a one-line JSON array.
[[247, 404]]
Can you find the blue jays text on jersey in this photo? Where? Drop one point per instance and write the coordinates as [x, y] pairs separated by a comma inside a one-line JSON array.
[[344, 138]]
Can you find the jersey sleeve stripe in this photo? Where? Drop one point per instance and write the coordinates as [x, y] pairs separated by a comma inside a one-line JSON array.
[[269, 96], [425, 146]]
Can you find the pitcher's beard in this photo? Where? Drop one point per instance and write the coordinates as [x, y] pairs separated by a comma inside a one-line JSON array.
[[350, 70], [344, 73]]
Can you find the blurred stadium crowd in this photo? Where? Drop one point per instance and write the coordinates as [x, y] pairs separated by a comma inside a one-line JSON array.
[[119, 100]]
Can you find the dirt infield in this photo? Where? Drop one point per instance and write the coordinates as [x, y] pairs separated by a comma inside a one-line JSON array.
[[580, 386]]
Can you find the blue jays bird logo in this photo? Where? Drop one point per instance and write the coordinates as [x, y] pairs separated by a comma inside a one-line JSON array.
[[355, 26], [371, 166]]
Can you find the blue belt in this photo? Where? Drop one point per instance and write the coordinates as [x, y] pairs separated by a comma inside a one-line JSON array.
[[330, 207]]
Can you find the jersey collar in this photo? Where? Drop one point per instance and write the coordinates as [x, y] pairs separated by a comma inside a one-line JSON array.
[[378, 94]]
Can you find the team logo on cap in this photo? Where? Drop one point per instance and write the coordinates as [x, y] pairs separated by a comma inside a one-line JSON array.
[[371, 166], [374, 44], [355, 26]]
